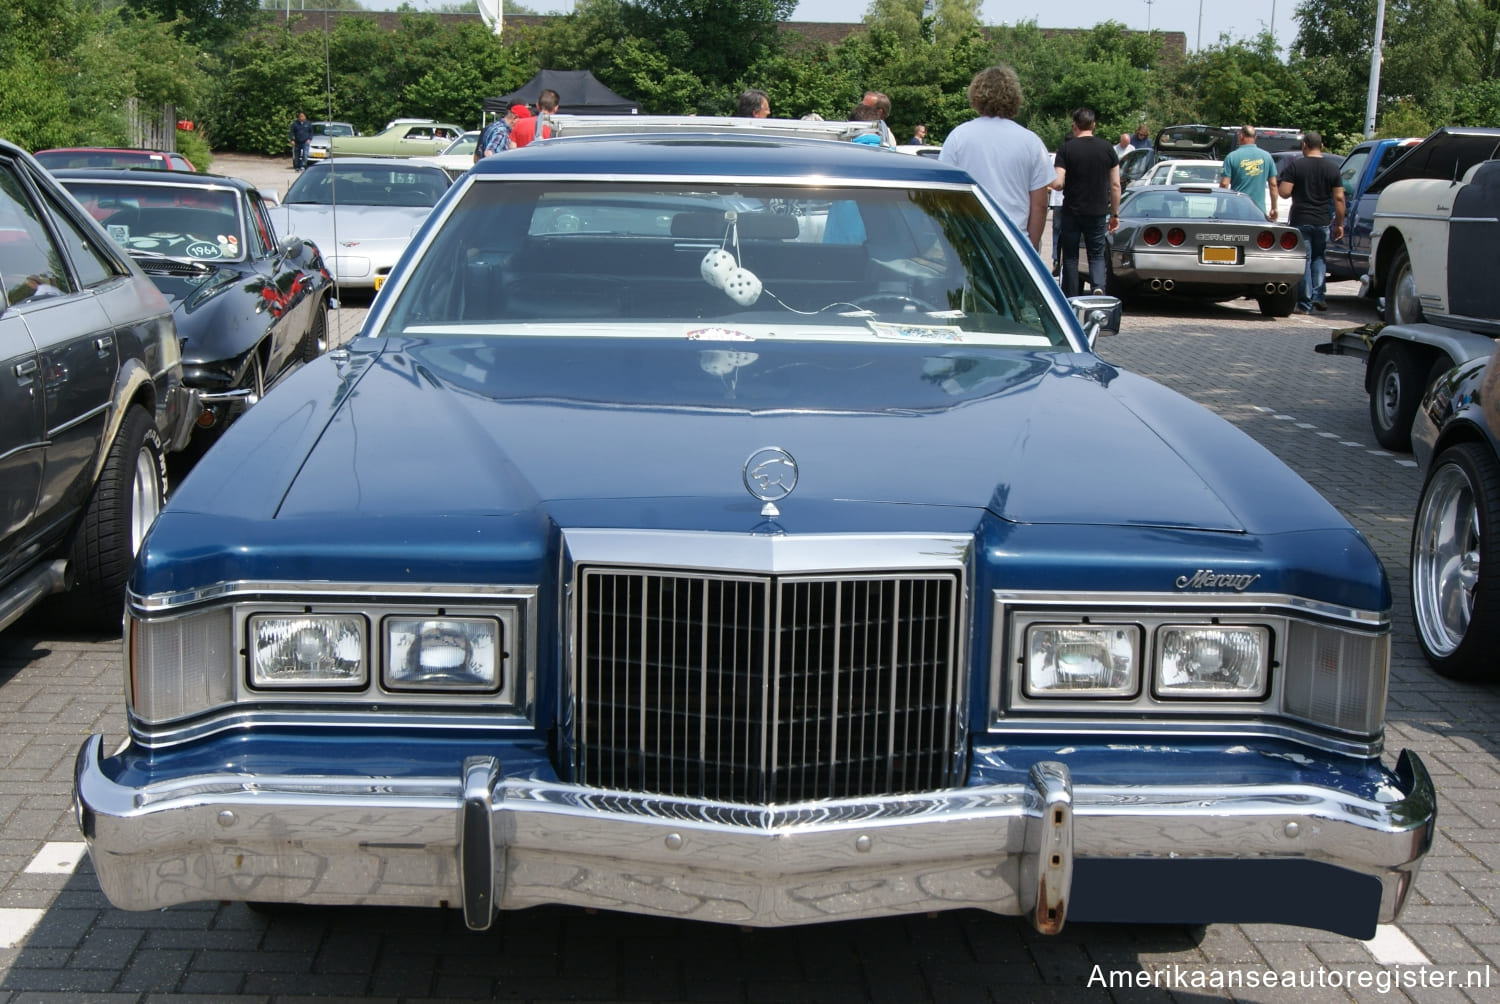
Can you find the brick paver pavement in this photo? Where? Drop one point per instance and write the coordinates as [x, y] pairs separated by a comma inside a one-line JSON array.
[[60, 941]]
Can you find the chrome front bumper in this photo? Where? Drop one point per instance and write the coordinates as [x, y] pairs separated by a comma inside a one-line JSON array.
[[484, 842]]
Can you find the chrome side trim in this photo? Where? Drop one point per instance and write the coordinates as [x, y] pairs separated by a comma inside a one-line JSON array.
[[284, 590]]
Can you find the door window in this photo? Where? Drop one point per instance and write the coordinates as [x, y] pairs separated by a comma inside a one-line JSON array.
[[31, 266]]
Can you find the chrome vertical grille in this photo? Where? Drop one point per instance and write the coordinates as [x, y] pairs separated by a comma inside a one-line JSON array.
[[766, 689]]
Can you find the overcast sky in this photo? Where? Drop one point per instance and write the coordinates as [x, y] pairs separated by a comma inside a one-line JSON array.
[[1241, 19]]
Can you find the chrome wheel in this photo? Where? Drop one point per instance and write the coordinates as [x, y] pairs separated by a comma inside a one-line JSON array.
[[1455, 567], [1402, 305], [146, 492], [1445, 569]]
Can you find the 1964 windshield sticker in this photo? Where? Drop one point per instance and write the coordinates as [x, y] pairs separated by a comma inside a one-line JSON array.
[[1207, 578]]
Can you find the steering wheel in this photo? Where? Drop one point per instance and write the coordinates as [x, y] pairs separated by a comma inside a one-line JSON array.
[[892, 303]]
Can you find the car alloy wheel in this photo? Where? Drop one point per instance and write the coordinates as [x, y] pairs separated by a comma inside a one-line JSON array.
[[1402, 305], [1455, 563]]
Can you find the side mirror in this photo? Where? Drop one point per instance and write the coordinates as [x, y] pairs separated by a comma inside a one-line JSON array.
[[1096, 314], [270, 196], [291, 247]]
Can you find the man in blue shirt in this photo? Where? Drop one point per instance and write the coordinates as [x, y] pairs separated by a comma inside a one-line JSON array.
[[1251, 170]]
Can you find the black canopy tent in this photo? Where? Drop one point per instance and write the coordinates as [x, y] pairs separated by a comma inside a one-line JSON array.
[[578, 93]]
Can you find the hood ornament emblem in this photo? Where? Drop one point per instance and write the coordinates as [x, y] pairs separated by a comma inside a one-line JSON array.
[[770, 475]]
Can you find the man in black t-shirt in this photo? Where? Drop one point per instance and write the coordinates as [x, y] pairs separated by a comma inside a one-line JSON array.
[[1312, 183], [1088, 174]]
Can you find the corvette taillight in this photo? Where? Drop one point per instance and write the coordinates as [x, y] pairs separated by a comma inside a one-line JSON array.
[[1266, 240], [1176, 236], [1152, 235], [1288, 241]]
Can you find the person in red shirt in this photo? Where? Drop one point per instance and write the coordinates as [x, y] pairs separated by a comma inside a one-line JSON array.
[[526, 126]]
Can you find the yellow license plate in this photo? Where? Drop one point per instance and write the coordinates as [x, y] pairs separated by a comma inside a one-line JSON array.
[[1219, 256], [379, 281]]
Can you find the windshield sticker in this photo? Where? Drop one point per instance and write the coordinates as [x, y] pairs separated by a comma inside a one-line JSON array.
[[718, 335], [118, 232], [917, 332], [203, 249]]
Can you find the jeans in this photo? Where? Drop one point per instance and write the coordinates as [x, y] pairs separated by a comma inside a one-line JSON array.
[[1314, 285], [299, 155], [1094, 232]]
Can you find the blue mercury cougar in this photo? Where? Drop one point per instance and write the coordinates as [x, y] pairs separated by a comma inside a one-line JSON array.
[[741, 527]]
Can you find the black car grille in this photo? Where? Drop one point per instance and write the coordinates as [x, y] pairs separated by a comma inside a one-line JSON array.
[[766, 689]]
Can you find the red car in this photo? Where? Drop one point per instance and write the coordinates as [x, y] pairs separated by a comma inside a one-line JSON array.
[[95, 156]]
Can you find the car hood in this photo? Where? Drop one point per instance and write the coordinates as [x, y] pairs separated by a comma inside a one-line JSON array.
[[1446, 155], [567, 424], [331, 226], [219, 314]]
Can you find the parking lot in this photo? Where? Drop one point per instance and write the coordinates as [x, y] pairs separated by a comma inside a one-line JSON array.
[[60, 940]]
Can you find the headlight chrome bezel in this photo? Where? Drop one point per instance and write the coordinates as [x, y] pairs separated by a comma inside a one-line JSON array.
[[1296, 682], [229, 682]]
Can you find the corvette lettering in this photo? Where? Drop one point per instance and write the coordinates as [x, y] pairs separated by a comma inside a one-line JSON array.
[[1223, 238], [1206, 578]]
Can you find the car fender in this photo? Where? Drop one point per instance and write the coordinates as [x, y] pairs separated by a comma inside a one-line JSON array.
[[134, 384]]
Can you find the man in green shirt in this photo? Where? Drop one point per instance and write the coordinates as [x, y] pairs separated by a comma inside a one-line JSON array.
[[1251, 170]]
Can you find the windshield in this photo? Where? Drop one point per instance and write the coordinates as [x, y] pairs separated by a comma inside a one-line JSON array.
[[1191, 205], [466, 143], [724, 262], [201, 224], [399, 184]]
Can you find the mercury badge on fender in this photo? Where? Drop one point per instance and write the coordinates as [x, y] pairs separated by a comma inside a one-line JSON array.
[[742, 528]]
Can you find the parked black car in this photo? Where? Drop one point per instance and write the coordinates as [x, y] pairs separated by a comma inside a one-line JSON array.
[[1455, 542], [91, 400], [249, 307]]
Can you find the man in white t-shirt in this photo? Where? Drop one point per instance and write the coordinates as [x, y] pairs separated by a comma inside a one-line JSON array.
[[1124, 146], [1008, 160]]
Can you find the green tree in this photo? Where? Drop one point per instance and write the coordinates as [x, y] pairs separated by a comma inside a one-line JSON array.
[[209, 23]]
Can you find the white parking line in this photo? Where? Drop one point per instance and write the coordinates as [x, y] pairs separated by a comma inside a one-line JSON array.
[[59, 857], [1391, 947], [16, 923]]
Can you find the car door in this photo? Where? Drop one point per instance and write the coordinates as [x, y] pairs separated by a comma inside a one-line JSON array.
[[285, 296], [77, 358], [1347, 255], [21, 432]]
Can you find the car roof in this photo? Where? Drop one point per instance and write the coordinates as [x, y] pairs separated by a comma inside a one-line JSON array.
[[177, 179], [777, 159]]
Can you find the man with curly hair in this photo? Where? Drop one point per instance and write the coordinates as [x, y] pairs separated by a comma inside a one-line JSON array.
[[1008, 160]]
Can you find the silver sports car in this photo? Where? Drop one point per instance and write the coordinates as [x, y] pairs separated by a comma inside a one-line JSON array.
[[1209, 242], [360, 212]]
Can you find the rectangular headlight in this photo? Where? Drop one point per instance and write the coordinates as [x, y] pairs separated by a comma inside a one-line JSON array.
[[1201, 660], [1082, 660], [307, 650], [444, 653]]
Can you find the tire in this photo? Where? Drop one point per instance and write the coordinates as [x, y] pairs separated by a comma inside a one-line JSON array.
[[1395, 392], [1455, 564], [315, 342], [1401, 303], [1278, 304], [124, 503]]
